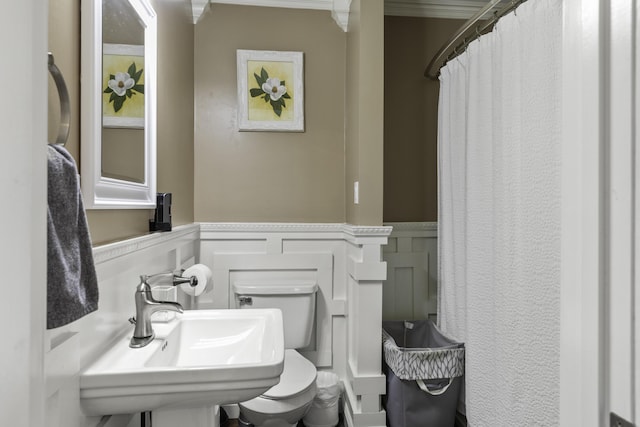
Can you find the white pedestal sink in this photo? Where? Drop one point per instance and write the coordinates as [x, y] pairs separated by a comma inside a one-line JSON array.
[[201, 359]]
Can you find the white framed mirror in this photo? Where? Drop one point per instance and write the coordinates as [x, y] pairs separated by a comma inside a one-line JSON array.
[[118, 104]]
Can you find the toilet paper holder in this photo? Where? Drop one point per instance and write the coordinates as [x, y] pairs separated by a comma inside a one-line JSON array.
[[175, 278]]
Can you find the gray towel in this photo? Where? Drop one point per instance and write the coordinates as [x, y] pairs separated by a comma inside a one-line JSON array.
[[72, 286]]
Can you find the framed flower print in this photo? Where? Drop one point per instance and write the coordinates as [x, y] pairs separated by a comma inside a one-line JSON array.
[[123, 86], [270, 91]]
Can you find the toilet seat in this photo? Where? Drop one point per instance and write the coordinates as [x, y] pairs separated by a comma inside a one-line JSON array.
[[298, 375], [296, 389]]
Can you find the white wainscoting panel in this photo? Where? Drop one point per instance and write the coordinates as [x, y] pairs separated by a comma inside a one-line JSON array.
[[344, 260], [410, 291], [346, 263], [71, 348], [365, 274], [283, 268]]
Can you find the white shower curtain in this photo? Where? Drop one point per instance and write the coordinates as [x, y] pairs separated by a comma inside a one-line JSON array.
[[499, 216]]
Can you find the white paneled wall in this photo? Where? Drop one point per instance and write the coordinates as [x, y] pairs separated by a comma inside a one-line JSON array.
[[71, 348], [345, 261], [410, 291]]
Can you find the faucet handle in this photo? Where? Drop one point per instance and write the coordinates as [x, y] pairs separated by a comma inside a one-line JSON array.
[[132, 320]]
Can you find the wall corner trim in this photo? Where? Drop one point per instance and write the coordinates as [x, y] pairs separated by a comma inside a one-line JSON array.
[[340, 13], [197, 9]]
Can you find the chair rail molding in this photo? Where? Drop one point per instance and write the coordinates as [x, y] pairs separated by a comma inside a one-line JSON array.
[[197, 9]]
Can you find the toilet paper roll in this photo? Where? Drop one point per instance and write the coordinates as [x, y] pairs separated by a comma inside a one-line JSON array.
[[202, 273]]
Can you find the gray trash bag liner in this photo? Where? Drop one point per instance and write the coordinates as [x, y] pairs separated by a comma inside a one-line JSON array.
[[424, 371]]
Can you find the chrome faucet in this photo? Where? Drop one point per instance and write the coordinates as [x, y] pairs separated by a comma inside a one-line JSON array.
[[146, 305]]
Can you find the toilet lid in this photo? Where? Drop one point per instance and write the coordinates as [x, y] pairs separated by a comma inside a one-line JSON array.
[[298, 375]]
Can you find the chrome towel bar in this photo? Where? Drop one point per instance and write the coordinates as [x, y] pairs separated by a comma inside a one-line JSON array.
[[65, 105]]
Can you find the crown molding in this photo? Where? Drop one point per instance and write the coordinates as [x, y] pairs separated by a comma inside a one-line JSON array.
[[197, 9], [340, 13], [339, 8], [290, 4], [449, 9]]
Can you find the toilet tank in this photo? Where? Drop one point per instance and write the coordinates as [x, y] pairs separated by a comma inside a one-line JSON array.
[[296, 300]]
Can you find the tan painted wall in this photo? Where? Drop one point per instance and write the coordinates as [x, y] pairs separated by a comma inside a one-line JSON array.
[[411, 116], [175, 106], [280, 177], [64, 43], [175, 112], [269, 176], [365, 111]]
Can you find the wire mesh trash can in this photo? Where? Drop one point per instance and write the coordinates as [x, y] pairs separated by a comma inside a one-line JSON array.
[[424, 371], [323, 411]]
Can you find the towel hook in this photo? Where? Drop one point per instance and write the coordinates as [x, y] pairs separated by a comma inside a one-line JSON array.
[[65, 105]]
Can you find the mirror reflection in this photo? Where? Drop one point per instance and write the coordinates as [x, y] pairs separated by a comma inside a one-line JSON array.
[[123, 76]]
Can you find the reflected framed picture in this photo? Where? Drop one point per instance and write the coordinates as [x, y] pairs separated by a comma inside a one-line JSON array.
[[270, 91], [122, 86]]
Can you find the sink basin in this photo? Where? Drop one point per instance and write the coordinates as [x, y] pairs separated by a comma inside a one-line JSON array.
[[202, 357]]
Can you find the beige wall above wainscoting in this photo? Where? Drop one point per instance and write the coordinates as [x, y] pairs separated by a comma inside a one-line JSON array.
[[175, 106], [365, 112], [64, 44], [280, 176], [175, 112], [411, 117], [269, 176]]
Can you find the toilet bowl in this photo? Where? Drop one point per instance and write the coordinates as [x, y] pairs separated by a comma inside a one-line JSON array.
[[284, 404]]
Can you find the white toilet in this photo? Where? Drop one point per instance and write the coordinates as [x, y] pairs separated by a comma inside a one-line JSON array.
[[284, 404]]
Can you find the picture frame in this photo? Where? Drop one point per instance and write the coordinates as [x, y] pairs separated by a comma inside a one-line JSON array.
[[270, 90], [123, 99]]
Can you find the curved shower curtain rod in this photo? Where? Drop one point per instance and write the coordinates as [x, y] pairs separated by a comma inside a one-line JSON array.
[[466, 34]]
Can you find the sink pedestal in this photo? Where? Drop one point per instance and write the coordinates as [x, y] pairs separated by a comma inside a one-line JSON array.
[[199, 416]]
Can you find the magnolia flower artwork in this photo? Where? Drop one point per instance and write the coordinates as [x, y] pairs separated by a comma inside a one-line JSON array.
[[123, 87], [270, 90]]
